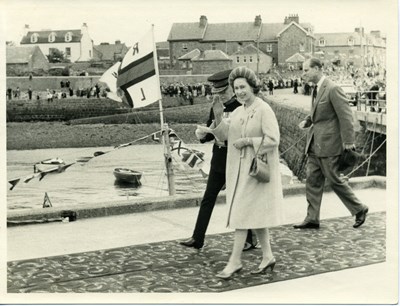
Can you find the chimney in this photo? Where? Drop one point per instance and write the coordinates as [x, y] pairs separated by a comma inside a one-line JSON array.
[[257, 21], [290, 18], [203, 21], [117, 42]]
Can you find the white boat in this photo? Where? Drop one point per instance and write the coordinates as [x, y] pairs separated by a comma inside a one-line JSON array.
[[48, 164], [128, 176]]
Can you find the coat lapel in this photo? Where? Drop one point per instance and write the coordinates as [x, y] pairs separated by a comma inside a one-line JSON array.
[[319, 95]]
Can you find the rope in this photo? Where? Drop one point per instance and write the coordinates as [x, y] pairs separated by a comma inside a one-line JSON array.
[[369, 158], [293, 144], [372, 146]]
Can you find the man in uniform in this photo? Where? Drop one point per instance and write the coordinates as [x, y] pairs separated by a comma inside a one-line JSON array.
[[216, 179]]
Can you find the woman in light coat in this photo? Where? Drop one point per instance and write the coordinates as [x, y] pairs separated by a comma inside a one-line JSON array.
[[252, 204]]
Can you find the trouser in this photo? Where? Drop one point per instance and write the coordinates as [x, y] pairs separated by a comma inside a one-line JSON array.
[[215, 183], [319, 169]]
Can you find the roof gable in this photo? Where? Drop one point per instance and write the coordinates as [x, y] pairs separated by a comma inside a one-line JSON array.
[[290, 25], [249, 49], [43, 37], [108, 52], [211, 55]]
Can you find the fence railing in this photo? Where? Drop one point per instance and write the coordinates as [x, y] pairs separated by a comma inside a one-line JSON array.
[[372, 101]]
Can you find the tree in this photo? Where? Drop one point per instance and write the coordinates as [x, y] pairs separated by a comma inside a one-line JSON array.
[[56, 56]]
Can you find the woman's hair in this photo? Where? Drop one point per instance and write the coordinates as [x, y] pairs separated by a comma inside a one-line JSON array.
[[248, 74]]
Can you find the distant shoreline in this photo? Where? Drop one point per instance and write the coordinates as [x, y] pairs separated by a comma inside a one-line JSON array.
[[46, 135]]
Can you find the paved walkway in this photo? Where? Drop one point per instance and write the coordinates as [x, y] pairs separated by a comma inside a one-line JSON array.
[[370, 284]]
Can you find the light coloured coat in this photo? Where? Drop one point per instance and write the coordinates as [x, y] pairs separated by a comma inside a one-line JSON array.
[[252, 204]]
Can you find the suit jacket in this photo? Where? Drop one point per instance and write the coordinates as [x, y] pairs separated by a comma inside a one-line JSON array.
[[218, 160], [330, 121]]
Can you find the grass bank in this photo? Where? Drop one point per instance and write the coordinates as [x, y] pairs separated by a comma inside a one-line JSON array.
[[43, 135]]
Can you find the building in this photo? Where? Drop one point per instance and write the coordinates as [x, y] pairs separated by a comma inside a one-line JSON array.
[[110, 53], [162, 49], [350, 48], [25, 60], [252, 58], [210, 61], [76, 45], [277, 40]]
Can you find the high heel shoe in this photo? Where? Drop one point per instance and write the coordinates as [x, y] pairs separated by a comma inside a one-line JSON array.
[[261, 270], [227, 275]]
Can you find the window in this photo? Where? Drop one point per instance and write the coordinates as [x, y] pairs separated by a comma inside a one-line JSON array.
[[68, 37], [301, 47], [269, 48], [184, 46], [34, 37], [251, 59], [67, 51], [52, 37], [244, 59], [322, 42], [213, 46], [237, 59], [350, 41]]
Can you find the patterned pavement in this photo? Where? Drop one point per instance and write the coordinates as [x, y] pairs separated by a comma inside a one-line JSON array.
[[168, 267]]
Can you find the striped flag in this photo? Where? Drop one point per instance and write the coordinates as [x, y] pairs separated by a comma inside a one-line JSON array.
[[138, 74], [110, 79]]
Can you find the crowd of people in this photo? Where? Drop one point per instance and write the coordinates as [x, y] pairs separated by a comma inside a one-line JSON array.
[[186, 92], [249, 132]]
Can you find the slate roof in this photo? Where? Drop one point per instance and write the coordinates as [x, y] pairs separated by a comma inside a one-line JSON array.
[[186, 31], [107, 51], [190, 55], [234, 31], [44, 36], [296, 58], [162, 45], [238, 31], [19, 55], [211, 55], [249, 49]]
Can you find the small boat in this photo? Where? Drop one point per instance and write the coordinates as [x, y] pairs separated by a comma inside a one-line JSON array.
[[128, 176], [83, 159], [48, 164]]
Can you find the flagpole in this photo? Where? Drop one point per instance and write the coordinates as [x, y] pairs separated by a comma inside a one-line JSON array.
[[165, 129]]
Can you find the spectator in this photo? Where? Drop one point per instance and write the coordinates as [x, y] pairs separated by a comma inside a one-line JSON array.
[[30, 93], [9, 93]]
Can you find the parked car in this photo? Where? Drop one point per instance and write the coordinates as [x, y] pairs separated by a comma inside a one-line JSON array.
[[351, 93]]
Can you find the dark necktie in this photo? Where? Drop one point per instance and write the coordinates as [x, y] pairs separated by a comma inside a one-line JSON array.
[[314, 94]]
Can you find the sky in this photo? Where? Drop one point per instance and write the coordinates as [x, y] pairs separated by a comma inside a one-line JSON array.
[[128, 20]]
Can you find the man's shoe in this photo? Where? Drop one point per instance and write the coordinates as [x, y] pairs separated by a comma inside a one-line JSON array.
[[307, 225], [360, 217], [191, 243]]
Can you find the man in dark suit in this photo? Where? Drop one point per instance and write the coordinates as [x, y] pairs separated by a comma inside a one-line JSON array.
[[330, 133], [216, 179]]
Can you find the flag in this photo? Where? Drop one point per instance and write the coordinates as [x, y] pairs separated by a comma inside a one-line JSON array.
[[46, 201], [14, 183], [110, 79], [138, 74]]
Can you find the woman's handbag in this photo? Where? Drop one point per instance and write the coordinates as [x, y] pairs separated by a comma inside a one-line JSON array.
[[259, 169]]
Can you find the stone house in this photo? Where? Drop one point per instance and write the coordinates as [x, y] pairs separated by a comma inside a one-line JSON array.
[[350, 48], [252, 58], [25, 60], [210, 61], [76, 45], [111, 53], [274, 39]]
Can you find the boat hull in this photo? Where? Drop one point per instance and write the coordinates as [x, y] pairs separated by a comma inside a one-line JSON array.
[[125, 175]]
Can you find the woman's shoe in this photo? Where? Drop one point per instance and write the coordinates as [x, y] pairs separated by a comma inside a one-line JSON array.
[[227, 275], [261, 270]]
